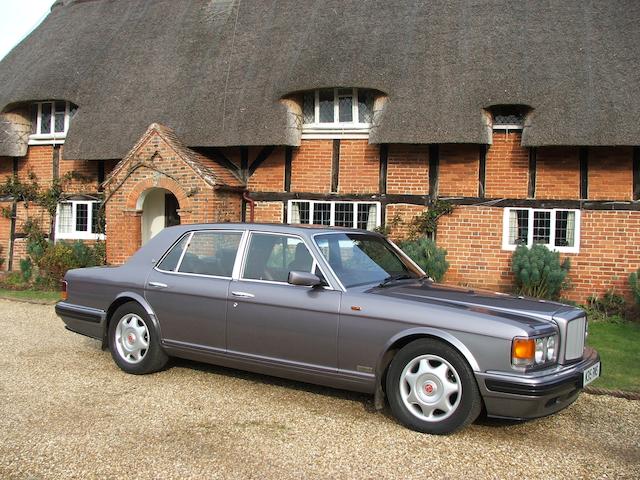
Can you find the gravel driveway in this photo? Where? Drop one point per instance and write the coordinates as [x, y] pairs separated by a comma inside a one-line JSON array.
[[67, 411]]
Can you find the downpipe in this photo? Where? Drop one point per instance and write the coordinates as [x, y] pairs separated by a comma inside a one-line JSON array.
[[252, 205]]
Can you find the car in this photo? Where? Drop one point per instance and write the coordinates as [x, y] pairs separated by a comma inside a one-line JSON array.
[[338, 307]]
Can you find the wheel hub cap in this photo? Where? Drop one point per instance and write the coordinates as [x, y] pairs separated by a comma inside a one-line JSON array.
[[429, 388], [132, 338]]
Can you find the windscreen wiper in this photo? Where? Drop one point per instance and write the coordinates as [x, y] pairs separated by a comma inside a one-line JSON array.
[[393, 278]]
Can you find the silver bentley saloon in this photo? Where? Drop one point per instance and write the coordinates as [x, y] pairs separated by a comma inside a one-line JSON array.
[[338, 307]]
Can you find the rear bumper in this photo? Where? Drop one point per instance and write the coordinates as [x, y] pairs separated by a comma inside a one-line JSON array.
[[83, 320], [523, 397]]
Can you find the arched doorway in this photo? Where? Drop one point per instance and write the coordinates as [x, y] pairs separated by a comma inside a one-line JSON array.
[[159, 210]]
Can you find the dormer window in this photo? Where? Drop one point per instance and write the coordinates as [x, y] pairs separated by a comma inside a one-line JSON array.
[[509, 117], [337, 112], [50, 122]]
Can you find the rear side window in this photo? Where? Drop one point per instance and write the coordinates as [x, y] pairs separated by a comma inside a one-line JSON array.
[[211, 253], [170, 261], [272, 257]]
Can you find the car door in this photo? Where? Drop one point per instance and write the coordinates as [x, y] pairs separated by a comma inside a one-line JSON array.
[[274, 321], [188, 289]]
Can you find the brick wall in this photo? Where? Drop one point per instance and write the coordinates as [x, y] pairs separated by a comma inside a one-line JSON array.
[[269, 177], [399, 217], [507, 167], [267, 212], [5, 233], [558, 173], [39, 160], [610, 173], [311, 166], [458, 173], [408, 169], [359, 167]]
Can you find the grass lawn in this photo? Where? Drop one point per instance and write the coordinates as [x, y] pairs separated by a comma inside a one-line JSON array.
[[40, 295], [619, 347]]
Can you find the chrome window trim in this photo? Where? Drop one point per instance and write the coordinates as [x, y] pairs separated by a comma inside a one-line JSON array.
[[184, 251], [315, 263]]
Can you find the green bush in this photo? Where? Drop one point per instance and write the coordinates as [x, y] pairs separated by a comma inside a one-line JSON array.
[[609, 307], [539, 272], [63, 256], [430, 257], [26, 269], [634, 281]]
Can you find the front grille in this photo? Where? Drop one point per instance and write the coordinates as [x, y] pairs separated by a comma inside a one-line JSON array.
[[575, 338]]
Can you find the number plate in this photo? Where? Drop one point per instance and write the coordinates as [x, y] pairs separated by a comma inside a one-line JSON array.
[[590, 374]]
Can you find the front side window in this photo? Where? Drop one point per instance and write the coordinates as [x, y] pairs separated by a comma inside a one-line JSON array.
[[272, 257], [50, 121], [360, 259], [337, 111], [557, 229], [79, 220], [362, 215]]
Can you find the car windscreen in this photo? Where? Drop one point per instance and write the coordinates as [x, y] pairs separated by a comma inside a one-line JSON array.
[[359, 259]]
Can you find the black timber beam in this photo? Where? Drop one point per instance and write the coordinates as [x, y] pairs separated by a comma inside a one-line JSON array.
[[533, 166], [335, 165], [434, 169], [288, 161], [384, 162], [636, 173], [482, 171], [584, 172], [260, 158]]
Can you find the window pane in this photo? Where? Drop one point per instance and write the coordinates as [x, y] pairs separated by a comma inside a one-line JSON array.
[[367, 216], [309, 108], [345, 106], [72, 111], [59, 117], [322, 214], [565, 228], [365, 106], [97, 220], [272, 257], [82, 217], [45, 123], [211, 253], [541, 227], [326, 106], [344, 215], [170, 262], [65, 220], [34, 118], [299, 212], [518, 227]]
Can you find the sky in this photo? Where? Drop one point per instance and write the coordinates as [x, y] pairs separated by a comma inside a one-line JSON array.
[[18, 18]]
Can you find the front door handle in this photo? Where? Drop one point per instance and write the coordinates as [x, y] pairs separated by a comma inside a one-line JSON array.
[[243, 294], [158, 285]]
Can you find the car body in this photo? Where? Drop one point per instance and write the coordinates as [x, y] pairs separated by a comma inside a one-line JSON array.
[[338, 307]]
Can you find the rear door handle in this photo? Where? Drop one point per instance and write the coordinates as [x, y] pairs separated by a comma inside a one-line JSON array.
[[242, 294], [158, 285]]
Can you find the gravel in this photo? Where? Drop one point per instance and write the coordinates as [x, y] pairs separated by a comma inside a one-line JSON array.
[[67, 411]]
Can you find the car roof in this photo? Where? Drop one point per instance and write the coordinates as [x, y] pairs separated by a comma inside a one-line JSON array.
[[270, 227]]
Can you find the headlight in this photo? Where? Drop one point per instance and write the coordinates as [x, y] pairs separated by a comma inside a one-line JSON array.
[[529, 352]]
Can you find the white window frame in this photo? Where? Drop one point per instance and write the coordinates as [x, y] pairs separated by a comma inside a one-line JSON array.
[[552, 234], [332, 215], [55, 138], [76, 235], [347, 130]]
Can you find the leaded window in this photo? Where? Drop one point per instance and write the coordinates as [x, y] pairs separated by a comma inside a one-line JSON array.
[[555, 228], [343, 108], [363, 215], [50, 121]]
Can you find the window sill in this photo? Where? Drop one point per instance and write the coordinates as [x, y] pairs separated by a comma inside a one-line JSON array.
[[334, 131], [80, 236], [574, 250], [47, 139]]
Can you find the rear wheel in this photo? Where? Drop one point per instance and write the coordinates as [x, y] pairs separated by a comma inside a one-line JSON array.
[[134, 341], [431, 388]]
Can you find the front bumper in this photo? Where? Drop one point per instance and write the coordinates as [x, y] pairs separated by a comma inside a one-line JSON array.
[[521, 397]]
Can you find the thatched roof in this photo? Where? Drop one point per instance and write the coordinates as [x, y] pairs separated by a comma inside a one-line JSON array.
[[215, 70]]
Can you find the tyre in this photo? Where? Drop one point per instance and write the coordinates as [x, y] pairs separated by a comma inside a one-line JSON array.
[[431, 388], [134, 342]]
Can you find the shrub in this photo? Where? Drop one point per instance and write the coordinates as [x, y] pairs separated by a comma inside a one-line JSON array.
[[610, 306], [26, 269], [634, 281], [539, 272], [63, 256], [430, 257]]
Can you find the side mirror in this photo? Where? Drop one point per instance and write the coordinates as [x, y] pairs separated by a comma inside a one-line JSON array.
[[304, 279]]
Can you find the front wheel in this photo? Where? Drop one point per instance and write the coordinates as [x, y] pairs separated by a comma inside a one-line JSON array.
[[431, 388], [134, 341]]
